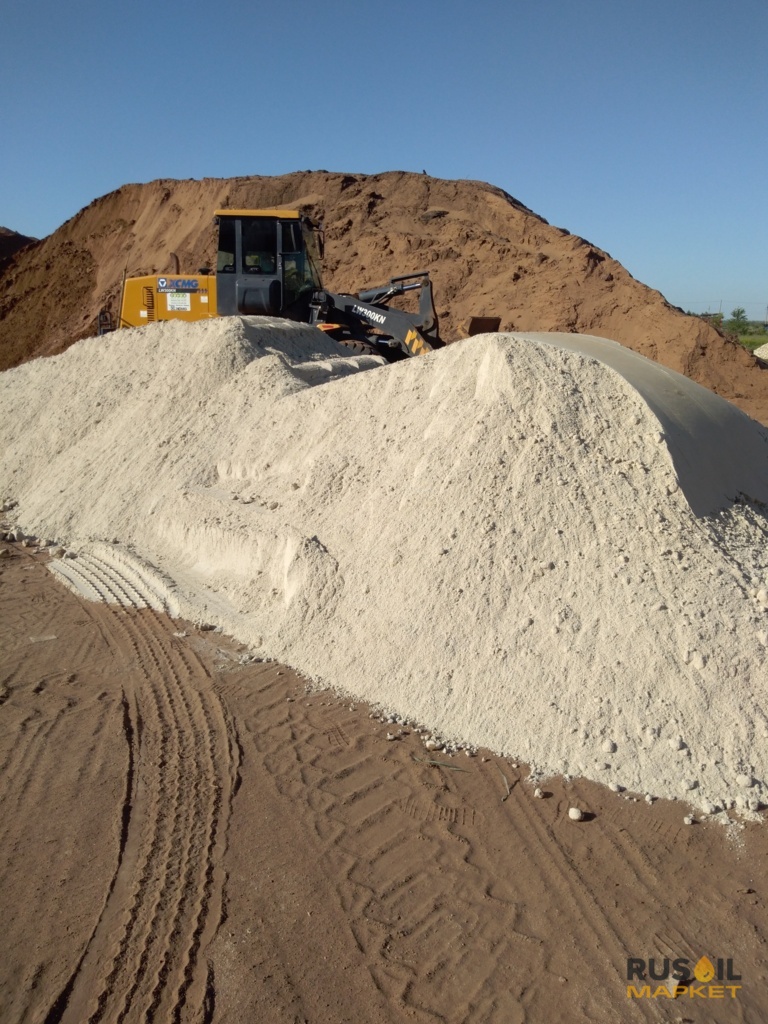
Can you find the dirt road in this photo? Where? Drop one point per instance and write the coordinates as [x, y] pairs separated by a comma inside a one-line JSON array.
[[187, 837]]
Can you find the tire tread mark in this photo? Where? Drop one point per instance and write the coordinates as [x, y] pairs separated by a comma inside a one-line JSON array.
[[165, 903]]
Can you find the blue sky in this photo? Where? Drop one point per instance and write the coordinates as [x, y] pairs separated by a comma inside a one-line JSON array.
[[639, 124]]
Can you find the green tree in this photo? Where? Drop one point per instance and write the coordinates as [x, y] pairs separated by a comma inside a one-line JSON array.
[[738, 322]]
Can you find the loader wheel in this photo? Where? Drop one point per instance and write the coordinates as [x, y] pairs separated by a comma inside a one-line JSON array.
[[360, 348]]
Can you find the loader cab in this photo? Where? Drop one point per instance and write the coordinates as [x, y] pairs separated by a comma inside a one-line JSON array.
[[267, 265]]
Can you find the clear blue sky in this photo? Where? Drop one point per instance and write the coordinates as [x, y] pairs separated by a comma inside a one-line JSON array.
[[639, 124]]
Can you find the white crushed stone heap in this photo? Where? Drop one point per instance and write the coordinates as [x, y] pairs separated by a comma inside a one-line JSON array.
[[491, 540]]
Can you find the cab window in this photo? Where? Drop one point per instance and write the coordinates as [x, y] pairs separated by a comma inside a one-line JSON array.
[[225, 261], [299, 275], [259, 246]]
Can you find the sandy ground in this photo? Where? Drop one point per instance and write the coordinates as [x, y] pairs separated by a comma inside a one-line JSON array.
[[187, 838]]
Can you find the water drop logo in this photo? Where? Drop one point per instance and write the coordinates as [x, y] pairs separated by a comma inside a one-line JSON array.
[[704, 971]]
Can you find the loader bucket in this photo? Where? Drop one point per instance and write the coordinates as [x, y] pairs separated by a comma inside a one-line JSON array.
[[482, 325]]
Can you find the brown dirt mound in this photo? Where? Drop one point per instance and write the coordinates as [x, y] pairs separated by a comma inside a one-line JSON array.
[[486, 253], [10, 243]]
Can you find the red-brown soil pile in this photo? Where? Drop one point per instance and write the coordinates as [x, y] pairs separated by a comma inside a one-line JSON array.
[[486, 253], [11, 242]]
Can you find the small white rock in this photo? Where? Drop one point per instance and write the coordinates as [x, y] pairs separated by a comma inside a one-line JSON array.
[[745, 781], [575, 813], [688, 819], [538, 794], [609, 747]]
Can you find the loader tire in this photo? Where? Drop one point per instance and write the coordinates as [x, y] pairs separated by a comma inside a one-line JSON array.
[[360, 348]]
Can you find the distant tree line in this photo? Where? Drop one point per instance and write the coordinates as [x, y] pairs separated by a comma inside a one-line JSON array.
[[738, 323]]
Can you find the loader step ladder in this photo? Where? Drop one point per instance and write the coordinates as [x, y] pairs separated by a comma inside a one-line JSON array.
[[105, 322]]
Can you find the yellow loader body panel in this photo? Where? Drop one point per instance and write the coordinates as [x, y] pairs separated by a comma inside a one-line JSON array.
[[146, 300]]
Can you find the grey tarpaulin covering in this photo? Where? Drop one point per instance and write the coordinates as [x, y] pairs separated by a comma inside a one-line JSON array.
[[718, 452]]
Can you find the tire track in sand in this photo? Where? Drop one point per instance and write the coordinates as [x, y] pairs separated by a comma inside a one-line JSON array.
[[145, 960], [432, 902]]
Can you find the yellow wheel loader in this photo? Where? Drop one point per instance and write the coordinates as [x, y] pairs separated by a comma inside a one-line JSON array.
[[268, 264]]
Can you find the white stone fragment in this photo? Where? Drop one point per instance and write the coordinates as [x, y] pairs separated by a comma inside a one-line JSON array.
[[575, 813]]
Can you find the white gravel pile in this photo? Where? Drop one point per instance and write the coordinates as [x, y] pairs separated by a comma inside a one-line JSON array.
[[491, 540]]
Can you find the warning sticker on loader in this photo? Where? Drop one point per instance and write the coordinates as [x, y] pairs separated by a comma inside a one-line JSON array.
[[179, 302]]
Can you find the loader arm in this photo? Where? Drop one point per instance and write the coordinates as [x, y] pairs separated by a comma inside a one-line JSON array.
[[367, 318]]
